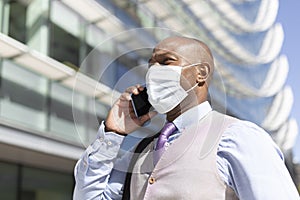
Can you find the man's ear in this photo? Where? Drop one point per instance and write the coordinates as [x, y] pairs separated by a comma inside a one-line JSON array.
[[203, 71]]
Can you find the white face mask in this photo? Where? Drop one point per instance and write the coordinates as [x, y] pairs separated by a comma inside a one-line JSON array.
[[163, 87]]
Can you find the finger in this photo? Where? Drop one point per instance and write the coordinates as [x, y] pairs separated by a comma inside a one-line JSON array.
[[125, 96], [140, 88], [132, 89]]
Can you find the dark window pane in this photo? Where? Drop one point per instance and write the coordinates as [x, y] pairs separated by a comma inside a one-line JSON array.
[[8, 181], [22, 95], [38, 184], [17, 21], [64, 47]]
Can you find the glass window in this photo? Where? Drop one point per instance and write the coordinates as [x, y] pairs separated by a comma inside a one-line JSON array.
[[62, 122], [66, 95], [93, 64], [24, 77], [1, 14], [64, 47], [95, 36], [38, 184], [73, 116], [98, 64], [37, 25], [23, 94], [27, 183], [17, 21], [36, 11], [65, 18], [8, 181]]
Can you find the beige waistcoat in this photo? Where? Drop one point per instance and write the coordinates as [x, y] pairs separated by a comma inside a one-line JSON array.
[[187, 168]]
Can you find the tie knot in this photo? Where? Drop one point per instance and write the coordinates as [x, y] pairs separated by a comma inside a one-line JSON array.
[[168, 129]]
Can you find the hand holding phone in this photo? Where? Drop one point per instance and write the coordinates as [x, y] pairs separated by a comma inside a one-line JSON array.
[[140, 103], [125, 123]]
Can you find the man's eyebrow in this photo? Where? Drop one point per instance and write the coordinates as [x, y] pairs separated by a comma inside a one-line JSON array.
[[158, 55], [165, 54]]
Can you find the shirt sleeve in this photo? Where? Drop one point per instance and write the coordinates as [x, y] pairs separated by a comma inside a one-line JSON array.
[[100, 172], [252, 165]]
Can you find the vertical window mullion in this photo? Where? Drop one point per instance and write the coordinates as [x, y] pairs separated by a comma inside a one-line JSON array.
[[5, 17]]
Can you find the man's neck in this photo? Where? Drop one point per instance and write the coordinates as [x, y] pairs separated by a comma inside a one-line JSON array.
[[181, 108]]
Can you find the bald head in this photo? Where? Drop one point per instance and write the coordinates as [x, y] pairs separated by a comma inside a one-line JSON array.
[[188, 49]]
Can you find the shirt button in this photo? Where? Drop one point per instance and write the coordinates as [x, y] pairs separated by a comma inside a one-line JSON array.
[[109, 143], [101, 139], [167, 144], [151, 180]]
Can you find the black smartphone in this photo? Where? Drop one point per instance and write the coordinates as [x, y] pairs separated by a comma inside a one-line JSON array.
[[140, 103]]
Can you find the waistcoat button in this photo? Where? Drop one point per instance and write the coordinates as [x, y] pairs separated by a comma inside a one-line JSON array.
[[151, 180]]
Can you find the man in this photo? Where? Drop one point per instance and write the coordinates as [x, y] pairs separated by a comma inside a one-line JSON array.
[[206, 153]]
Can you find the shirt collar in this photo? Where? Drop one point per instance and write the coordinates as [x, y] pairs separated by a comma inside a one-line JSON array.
[[192, 115]]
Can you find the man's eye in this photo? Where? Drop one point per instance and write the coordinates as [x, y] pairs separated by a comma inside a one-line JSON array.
[[168, 60]]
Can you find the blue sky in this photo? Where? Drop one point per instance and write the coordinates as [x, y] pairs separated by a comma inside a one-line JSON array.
[[288, 16]]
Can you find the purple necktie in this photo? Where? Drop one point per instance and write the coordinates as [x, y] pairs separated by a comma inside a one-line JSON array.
[[166, 131]]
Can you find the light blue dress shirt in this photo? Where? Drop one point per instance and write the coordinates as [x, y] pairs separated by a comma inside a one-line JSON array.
[[247, 160]]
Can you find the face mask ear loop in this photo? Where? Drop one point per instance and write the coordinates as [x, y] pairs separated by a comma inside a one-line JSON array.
[[192, 88], [196, 83], [191, 65], [195, 64]]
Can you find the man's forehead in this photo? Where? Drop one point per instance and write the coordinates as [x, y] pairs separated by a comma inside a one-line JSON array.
[[162, 51], [181, 48], [174, 43]]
